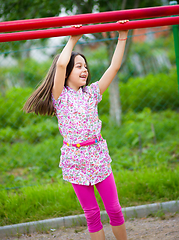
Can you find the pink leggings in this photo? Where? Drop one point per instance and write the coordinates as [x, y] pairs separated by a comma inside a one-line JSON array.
[[108, 192]]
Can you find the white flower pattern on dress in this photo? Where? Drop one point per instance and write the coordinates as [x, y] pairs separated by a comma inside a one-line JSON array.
[[78, 121]]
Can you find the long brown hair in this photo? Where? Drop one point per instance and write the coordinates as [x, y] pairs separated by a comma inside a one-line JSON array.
[[40, 102]]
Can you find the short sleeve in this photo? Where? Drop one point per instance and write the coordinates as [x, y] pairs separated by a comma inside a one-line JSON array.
[[94, 90], [57, 102]]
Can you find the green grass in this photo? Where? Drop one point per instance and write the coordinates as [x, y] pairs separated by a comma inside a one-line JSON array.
[[31, 185], [58, 199]]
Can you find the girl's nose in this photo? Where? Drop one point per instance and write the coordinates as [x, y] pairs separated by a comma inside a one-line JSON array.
[[84, 70]]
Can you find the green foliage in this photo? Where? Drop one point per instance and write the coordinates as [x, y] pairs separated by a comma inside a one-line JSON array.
[[168, 45], [37, 202], [17, 10], [147, 185], [32, 72], [144, 149], [27, 73], [150, 126], [59, 199], [13, 10], [27, 164], [137, 166], [7, 134], [39, 131], [11, 114], [157, 92], [39, 147], [149, 57]]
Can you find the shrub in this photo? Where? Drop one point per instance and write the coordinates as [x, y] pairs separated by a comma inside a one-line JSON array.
[[26, 73], [11, 113], [38, 132], [157, 92]]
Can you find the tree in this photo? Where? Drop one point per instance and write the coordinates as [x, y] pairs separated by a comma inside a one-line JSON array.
[[23, 9], [11, 10]]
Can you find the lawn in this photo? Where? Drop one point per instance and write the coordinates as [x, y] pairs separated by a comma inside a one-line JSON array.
[[145, 154]]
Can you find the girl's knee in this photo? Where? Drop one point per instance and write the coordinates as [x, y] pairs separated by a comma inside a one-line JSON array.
[[93, 219], [114, 208], [115, 215]]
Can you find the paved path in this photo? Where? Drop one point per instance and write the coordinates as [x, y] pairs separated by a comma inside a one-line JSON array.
[[164, 228]]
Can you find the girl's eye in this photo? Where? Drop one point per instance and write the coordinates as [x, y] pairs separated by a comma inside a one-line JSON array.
[[79, 66]]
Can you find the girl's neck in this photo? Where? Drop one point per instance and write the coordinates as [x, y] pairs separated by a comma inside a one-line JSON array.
[[74, 87]]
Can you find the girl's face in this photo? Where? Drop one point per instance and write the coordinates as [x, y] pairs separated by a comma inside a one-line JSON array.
[[79, 74]]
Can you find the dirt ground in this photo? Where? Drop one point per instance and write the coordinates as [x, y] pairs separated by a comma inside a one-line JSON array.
[[151, 228]]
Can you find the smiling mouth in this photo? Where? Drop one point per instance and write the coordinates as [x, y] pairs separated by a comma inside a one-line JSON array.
[[84, 77]]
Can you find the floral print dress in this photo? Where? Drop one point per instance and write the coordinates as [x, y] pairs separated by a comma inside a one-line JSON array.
[[78, 121]]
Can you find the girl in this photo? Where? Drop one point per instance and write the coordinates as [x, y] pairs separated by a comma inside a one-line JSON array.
[[85, 159]]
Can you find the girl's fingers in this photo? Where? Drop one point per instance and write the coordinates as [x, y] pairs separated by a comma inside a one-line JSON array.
[[77, 36], [77, 26], [123, 21]]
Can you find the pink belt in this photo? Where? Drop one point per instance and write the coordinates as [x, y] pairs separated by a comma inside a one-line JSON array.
[[85, 143]]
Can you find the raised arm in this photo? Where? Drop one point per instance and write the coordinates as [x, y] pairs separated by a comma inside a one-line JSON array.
[[116, 61], [62, 62]]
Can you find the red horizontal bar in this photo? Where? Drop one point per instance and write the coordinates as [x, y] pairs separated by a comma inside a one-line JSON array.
[[111, 16], [18, 36]]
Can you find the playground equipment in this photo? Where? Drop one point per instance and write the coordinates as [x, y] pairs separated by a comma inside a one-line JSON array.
[[159, 15], [139, 13]]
